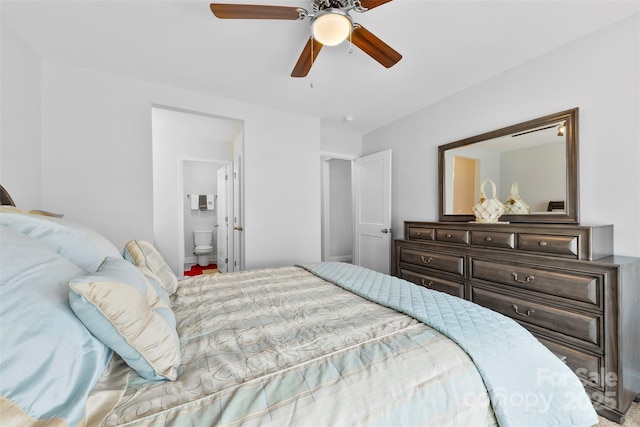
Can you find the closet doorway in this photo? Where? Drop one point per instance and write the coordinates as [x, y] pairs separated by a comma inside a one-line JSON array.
[[356, 209], [337, 209]]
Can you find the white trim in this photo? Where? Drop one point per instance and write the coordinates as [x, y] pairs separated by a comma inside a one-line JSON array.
[[324, 210], [196, 113], [327, 155], [179, 202], [342, 258]]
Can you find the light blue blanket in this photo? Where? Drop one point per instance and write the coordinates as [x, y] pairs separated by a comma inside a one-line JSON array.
[[527, 384]]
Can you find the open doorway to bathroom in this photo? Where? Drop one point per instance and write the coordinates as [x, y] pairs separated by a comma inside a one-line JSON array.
[[200, 213]]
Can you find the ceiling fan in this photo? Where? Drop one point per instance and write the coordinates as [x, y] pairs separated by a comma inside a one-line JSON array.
[[330, 22]]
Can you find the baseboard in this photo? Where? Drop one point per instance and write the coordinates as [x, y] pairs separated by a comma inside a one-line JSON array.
[[342, 258]]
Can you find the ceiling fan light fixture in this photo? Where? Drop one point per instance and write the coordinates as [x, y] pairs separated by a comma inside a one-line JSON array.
[[331, 27]]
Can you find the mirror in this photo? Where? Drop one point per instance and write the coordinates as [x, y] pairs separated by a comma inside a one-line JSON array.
[[540, 156]]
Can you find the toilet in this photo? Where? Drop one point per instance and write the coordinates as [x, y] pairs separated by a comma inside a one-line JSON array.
[[203, 248]]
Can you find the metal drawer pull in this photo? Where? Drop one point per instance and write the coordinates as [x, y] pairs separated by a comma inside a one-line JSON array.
[[528, 313], [488, 238], [542, 243], [449, 236], [418, 233], [428, 285], [426, 261], [526, 279]]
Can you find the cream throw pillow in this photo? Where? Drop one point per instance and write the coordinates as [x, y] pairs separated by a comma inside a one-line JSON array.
[[124, 311], [145, 256]]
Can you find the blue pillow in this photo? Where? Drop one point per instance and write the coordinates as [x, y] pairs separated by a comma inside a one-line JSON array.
[[123, 309], [49, 360], [80, 245]]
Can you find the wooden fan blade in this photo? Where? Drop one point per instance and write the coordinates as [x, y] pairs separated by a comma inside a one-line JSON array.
[[370, 4], [374, 47], [306, 61], [248, 11]]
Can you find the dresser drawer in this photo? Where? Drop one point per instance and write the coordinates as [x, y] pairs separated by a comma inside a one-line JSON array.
[[587, 366], [452, 236], [494, 239], [435, 283], [558, 245], [584, 327], [419, 233], [579, 287], [448, 263]]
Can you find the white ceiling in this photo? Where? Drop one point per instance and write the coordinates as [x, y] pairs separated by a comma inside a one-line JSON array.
[[447, 46]]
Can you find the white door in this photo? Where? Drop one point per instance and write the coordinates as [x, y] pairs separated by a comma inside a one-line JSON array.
[[223, 219], [372, 211], [238, 228]]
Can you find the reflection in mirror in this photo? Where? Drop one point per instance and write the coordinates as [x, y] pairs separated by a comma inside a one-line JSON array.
[[536, 160]]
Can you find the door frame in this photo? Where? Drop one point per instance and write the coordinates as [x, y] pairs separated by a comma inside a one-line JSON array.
[[182, 195], [228, 203], [237, 170]]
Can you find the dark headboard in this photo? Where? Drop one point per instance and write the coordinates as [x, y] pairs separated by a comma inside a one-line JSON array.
[[5, 197]]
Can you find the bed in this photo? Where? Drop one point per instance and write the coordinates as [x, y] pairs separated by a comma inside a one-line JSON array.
[[94, 335]]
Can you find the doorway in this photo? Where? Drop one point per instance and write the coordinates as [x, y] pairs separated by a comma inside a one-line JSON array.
[[201, 210], [465, 172], [337, 209], [356, 210], [178, 136]]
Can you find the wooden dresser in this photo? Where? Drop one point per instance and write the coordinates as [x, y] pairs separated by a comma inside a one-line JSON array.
[[561, 282]]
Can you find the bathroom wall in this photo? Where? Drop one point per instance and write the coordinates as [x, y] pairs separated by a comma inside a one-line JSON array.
[[199, 177]]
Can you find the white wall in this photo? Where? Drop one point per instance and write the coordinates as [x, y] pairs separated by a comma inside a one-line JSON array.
[[535, 188], [598, 74], [121, 108], [20, 164], [96, 156], [333, 141]]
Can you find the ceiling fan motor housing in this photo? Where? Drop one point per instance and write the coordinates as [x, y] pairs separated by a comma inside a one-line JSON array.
[[320, 5]]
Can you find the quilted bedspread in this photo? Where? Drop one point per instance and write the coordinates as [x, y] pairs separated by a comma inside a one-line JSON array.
[[527, 384], [283, 347]]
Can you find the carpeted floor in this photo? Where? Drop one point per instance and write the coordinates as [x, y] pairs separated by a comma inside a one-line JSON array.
[[632, 418]]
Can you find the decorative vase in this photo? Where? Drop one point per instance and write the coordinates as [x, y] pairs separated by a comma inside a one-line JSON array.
[[514, 205], [488, 210]]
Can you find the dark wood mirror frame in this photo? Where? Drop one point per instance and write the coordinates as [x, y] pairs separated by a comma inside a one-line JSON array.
[[570, 214]]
